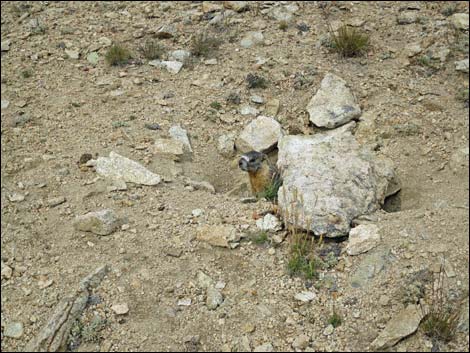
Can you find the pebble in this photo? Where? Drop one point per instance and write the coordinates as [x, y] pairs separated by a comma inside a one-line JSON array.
[[6, 45], [102, 222], [184, 302], [55, 201], [214, 298], [461, 65], [328, 330], [14, 330], [5, 104], [7, 271], [305, 297], [120, 309], [247, 110], [197, 212], [16, 197], [266, 347], [257, 99], [72, 54], [301, 342], [152, 126]]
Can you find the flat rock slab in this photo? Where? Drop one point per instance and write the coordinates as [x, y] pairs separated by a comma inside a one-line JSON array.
[[218, 235], [121, 168], [102, 222], [333, 104], [329, 180], [363, 238], [402, 325], [262, 135], [180, 134]]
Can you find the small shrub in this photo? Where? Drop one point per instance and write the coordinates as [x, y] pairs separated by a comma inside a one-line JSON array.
[[26, 73], [349, 42], [255, 81], [216, 105], [118, 55], [449, 10], [270, 191], [334, 319], [203, 45], [233, 98], [152, 50], [283, 25], [118, 124], [260, 238]]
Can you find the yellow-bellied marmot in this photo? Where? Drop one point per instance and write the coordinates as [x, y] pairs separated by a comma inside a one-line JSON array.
[[261, 171]]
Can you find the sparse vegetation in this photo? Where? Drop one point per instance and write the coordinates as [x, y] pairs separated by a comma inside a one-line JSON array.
[[152, 50], [463, 96], [118, 124], [255, 81], [118, 55], [335, 319], [203, 45], [349, 42], [260, 238], [27, 73], [283, 25], [270, 192], [233, 98], [441, 319], [449, 10], [216, 105]]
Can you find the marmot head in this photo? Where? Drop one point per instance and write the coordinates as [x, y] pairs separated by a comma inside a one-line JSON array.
[[251, 161]]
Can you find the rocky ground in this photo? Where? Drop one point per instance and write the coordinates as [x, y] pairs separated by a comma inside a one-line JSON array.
[[167, 288]]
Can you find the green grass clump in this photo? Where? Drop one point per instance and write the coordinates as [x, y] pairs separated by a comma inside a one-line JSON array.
[[216, 105], [255, 81], [302, 261], [118, 55], [203, 45], [334, 319], [283, 25], [260, 238], [349, 42], [152, 50], [270, 191], [26, 73]]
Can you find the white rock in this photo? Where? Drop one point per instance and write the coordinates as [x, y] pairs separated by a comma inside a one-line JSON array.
[[6, 45], [6, 271], [172, 66], [266, 347], [213, 298], [269, 223], [197, 212], [180, 134], [102, 222], [184, 302], [226, 145], [247, 110], [333, 104], [340, 182], [261, 134], [72, 54], [305, 296], [257, 99], [180, 55], [5, 104], [16, 197], [14, 330], [168, 147], [120, 309], [462, 65], [460, 20], [363, 238], [251, 39], [328, 330], [118, 167]]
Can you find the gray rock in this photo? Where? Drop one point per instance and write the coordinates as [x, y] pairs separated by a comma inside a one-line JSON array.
[[462, 65], [269, 223], [305, 297], [93, 58], [283, 13], [333, 104], [173, 66], [266, 347], [16, 197], [218, 235], [252, 39], [257, 99], [121, 168], [55, 201], [370, 266], [213, 298], [6, 271], [120, 309], [102, 222], [226, 145], [5, 45], [407, 17], [180, 55], [363, 238], [166, 31], [329, 330], [247, 110], [168, 147], [301, 342], [14, 330], [261, 134], [413, 49], [340, 182], [72, 54], [204, 281], [5, 104], [200, 185], [401, 325], [180, 134], [272, 107], [460, 21]]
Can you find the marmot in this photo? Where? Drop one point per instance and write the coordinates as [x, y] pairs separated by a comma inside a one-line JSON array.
[[260, 169]]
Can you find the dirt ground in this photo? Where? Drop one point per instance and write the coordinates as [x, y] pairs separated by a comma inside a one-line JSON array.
[[60, 108]]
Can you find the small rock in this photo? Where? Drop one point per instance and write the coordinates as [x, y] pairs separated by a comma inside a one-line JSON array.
[[55, 201], [120, 309], [238, 6], [363, 238], [214, 298], [72, 54], [272, 108], [168, 147], [100, 222], [201, 185], [460, 21], [220, 235], [305, 296], [329, 330], [197, 212], [261, 134], [407, 17], [16, 197], [211, 61], [248, 328], [166, 31], [93, 58], [6, 270], [226, 145], [247, 110], [384, 300], [180, 55], [5, 104], [13, 330], [251, 39], [152, 126], [180, 134], [301, 342], [266, 347], [173, 66], [257, 99], [44, 283], [462, 65], [174, 252], [269, 223], [184, 302], [6, 45]]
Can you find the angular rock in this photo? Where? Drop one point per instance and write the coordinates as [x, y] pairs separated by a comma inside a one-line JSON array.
[[329, 330], [247, 110], [370, 266], [363, 238], [333, 104], [168, 147], [462, 65], [283, 13], [5, 45], [102, 222], [266, 347], [213, 298], [93, 58], [72, 54], [180, 134], [6, 271], [262, 135], [305, 297], [120, 309], [251, 39], [340, 182], [5, 104], [400, 326], [55, 201], [180, 55], [301, 342], [220, 235], [121, 168], [14, 330], [460, 21], [204, 280], [166, 31], [269, 223], [272, 107], [226, 145]]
